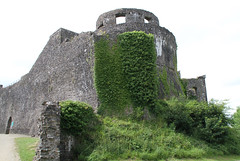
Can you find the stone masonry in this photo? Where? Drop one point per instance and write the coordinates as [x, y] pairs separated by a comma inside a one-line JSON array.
[[49, 132], [196, 87]]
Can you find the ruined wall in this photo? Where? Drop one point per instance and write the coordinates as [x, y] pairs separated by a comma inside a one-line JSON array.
[[65, 69], [196, 87], [49, 132]]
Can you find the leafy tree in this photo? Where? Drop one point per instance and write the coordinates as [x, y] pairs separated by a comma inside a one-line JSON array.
[[236, 119]]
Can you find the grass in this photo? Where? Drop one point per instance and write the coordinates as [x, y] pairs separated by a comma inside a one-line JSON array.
[[216, 158], [125, 139], [26, 147]]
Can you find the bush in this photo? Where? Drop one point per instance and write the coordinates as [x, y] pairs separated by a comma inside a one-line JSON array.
[[77, 118], [199, 119]]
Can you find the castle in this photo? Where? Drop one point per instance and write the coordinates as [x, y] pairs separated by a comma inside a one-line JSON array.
[[65, 70]]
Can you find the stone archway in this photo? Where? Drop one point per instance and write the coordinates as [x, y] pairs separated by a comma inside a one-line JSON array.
[[8, 125]]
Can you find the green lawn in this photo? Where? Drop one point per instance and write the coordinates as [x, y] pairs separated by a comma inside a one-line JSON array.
[[26, 147]]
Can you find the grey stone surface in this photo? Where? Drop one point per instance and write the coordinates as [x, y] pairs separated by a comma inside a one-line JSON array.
[[49, 132], [196, 87], [53, 144], [65, 69], [166, 46]]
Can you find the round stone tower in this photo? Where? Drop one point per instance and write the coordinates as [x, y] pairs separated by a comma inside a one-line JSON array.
[[140, 20]]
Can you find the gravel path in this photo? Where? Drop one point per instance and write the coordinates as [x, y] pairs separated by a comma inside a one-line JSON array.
[[7, 147]]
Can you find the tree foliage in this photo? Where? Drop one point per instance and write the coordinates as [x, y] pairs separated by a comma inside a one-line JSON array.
[[236, 119]]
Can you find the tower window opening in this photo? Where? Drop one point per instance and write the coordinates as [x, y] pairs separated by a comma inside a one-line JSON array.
[[120, 18], [101, 25], [147, 19], [195, 89]]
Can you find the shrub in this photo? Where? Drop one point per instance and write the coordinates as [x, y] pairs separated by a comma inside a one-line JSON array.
[[200, 119], [77, 118]]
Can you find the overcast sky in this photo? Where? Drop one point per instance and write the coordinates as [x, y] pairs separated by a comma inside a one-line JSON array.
[[207, 33]]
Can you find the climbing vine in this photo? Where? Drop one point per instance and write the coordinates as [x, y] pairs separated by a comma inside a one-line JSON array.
[[138, 59], [109, 81], [164, 80], [125, 71]]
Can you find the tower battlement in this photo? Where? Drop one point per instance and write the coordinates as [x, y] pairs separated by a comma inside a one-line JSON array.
[[130, 15]]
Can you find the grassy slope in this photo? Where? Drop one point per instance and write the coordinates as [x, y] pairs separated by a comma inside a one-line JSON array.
[[128, 140], [132, 141], [216, 158]]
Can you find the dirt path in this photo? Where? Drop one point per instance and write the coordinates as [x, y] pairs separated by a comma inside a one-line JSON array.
[[7, 147]]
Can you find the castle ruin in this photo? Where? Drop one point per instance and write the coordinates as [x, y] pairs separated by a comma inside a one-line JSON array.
[[65, 70]]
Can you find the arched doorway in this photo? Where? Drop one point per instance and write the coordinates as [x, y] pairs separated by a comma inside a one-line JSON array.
[[8, 125]]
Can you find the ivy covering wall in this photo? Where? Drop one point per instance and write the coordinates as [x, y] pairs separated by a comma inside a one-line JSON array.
[[125, 71]]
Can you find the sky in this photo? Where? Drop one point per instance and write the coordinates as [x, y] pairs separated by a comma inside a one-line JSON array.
[[207, 34]]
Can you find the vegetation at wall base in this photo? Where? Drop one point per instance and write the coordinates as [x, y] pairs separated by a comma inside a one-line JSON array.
[[126, 83], [135, 139]]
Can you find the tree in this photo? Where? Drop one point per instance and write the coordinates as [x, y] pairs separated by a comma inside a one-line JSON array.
[[236, 119]]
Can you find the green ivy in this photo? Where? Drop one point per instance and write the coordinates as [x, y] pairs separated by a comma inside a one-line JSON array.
[[138, 58], [125, 71], [183, 84], [109, 81]]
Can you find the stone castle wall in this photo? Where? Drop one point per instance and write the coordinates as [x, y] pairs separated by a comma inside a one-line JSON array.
[[65, 69]]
